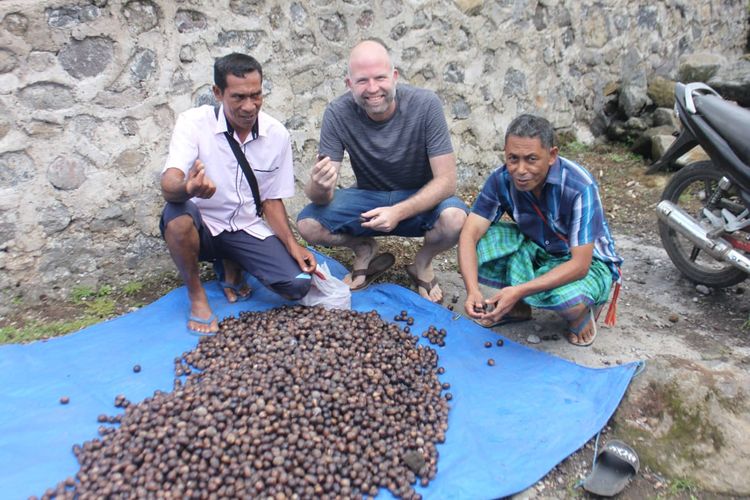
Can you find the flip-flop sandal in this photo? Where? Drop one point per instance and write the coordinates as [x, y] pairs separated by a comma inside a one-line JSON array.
[[614, 467], [590, 319], [505, 320], [236, 289], [202, 321], [377, 267], [426, 286]]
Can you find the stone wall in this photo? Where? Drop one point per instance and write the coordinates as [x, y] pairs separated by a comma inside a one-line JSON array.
[[89, 92]]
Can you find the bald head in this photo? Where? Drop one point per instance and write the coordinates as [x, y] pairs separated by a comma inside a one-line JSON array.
[[368, 53], [372, 79]]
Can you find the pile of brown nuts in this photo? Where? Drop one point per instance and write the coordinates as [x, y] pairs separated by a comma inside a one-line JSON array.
[[294, 402], [435, 336]]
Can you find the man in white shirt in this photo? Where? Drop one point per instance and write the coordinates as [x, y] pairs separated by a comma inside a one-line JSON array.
[[211, 213]]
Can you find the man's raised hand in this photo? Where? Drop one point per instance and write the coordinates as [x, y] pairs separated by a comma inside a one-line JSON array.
[[323, 174], [197, 184]]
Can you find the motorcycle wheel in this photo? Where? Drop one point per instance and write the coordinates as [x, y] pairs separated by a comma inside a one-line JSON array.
[[691, 188]]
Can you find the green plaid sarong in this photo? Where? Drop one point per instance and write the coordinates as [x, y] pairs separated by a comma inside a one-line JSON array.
[[507, 257]]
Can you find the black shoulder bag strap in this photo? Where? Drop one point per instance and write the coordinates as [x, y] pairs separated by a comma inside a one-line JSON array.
[[242, 160]]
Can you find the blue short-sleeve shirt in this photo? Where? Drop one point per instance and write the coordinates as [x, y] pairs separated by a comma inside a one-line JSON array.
[[570, 204]]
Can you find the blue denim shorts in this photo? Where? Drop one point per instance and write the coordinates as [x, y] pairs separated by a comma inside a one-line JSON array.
[[341, 216]]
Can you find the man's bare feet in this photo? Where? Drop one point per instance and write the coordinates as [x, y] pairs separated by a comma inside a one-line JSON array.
[[364, 251], [235, 287], [425, 281], [583, 327], [202, 320]]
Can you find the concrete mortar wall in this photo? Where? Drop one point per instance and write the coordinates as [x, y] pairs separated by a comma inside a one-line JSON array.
[[89, 92]]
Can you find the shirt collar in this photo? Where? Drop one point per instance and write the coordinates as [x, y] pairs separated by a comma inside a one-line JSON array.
[[554, 176], [259, 129]]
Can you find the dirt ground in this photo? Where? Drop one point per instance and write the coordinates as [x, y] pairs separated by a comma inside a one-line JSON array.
[[659, 312]]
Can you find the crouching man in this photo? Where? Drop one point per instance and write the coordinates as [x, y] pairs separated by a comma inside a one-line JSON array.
[[557, 253], [227, 168]]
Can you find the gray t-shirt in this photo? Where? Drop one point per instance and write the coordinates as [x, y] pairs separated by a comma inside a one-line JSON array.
[[393, 154]]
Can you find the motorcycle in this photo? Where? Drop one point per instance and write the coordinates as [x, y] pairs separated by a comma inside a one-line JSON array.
[[704, 212]]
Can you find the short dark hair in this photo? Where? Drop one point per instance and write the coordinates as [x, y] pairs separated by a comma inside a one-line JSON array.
[[237, 64], [532, 126]]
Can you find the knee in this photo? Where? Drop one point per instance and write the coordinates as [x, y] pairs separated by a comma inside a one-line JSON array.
[[179, 228], [311, 230], [451, 221], [294, 289]]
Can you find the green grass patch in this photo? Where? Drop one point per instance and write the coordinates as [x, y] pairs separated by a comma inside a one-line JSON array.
[[132, 288], [575, 147], [37, 331]]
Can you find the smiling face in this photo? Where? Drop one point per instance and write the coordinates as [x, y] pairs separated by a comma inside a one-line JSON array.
[[242, 99], [372, 80], [528, 162]]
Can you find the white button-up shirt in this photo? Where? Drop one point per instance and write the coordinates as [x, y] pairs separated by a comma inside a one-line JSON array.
[[199, 135]]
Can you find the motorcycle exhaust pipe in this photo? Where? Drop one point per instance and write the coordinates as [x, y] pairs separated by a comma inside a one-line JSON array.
[[718, 248]]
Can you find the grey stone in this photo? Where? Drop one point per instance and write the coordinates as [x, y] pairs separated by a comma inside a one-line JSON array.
[[112, 216], [276, 18], [333, 27], [635, 123], [141, 15], [181, 83], [43, 130], [540, 14], [130, 161], [164, 116], [47, 95], [703, 289], [633, 99], [16, 23], [188, 21], [187, 54], [65, 17], [85, 125], [129, 126], [67, 172], [568, 37], [142, 65], [7, 233], [453, 73], [665, 116], [248, 39], [469, 7], [659, 144], [204, 95], [54, 218], [699, 67], [366, 19], [460, 109], [643, 145], [86, 58], [515, 83], [410, 54], [299, 14], [398, 31], [16, 167], [661, 92], [533, 339], [8, 61], [732, 81], [647, 17], [295, 122], [247, 8]]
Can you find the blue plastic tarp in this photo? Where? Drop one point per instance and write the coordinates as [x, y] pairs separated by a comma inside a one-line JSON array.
[[508, 425]]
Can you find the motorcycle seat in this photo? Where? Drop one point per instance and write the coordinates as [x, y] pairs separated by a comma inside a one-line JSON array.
[[729, 120]]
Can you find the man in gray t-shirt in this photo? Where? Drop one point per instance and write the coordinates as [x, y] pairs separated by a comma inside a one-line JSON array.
[[400, 150]]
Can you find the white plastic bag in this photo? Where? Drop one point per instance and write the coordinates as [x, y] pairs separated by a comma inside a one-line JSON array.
[[329, 291]]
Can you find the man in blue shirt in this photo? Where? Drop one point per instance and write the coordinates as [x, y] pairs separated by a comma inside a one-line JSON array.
[[557, 253]]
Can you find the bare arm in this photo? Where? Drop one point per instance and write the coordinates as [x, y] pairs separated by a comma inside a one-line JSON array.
[[442, 186], [319, 188], [474, 228], [177, 188], [276, 217]]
